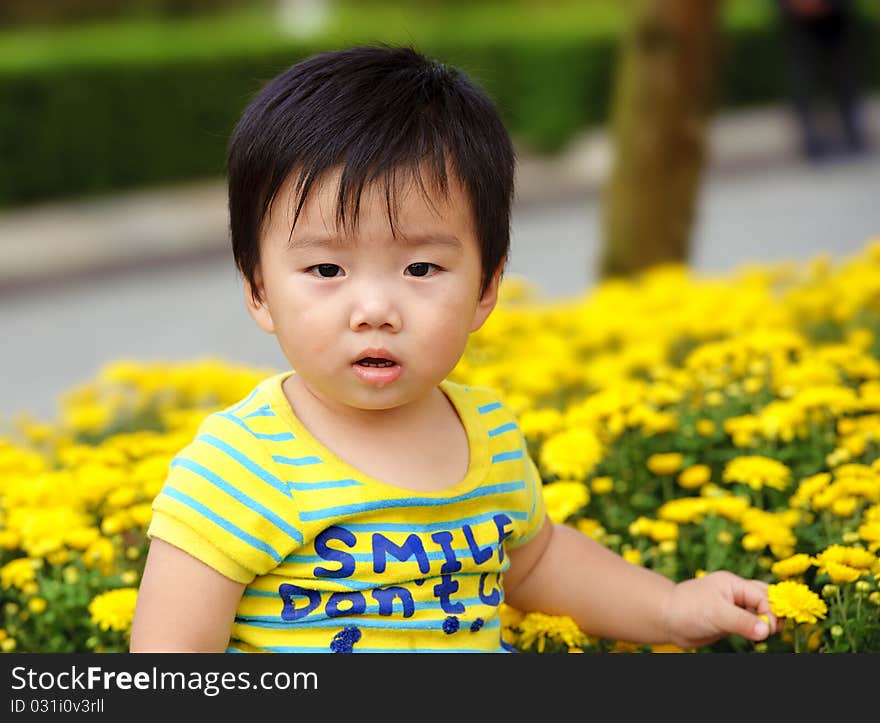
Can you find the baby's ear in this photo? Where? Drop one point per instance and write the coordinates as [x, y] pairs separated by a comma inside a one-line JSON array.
[[258, 307], [488, 300]]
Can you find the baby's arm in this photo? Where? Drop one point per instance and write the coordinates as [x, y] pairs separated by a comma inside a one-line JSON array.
[[564, 572], [183, 605]]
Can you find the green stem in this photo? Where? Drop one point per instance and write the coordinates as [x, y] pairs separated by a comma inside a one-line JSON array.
[[667, 488], [825, 527], [842, 608]]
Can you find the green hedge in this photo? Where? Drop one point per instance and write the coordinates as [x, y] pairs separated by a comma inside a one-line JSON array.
[[113, 109]]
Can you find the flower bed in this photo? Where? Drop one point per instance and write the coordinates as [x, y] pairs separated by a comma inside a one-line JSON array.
[[690, 423]]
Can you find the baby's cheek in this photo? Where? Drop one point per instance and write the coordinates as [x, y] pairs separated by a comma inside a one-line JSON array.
[[447, 334]]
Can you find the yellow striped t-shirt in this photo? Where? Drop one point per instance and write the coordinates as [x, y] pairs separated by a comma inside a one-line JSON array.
[[336, 561]]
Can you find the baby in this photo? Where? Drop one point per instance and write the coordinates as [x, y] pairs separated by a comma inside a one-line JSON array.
[[361, 501]]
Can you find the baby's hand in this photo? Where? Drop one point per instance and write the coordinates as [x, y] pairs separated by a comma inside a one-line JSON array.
[[702, 610]]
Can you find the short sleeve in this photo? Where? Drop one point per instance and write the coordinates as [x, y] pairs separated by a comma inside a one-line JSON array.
[[536, 510], [509, 446], [224, 503]]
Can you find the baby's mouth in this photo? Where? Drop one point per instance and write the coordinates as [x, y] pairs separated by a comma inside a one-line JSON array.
[[374, 362]]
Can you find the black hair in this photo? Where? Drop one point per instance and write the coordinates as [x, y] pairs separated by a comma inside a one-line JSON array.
[[376, 110]]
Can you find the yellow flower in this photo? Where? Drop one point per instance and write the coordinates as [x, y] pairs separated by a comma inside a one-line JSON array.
[[99, 554], [633, 556], [840, 573], [808, 488], [795, 600], [850, 556], [665, 462], [667, 648], [18, 572], [591, 528], [37, 605], [9, 539], [705, 427], [565, 497], [537, 424], [571, 454], [602, 485], [668, 547], [792, 566], [114, 610], [757, 472], [844, 506], [538, 628], [695, 476], [81, 537]]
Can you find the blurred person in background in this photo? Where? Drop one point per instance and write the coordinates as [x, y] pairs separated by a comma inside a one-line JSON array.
[[820, 38]]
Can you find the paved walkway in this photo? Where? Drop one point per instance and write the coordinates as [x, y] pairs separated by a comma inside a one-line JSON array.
[[167, 288], [63, 242]]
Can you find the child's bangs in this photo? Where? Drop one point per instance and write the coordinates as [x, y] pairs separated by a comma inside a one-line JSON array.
[[394, 179]]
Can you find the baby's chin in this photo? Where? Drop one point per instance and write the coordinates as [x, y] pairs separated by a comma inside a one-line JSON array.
[[363, 397]]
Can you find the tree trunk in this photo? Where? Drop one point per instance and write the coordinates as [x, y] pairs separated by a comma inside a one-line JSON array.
[[662, 107]]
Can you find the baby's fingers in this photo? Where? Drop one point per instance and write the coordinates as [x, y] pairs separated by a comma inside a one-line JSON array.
[[755, 598], [735, 619]]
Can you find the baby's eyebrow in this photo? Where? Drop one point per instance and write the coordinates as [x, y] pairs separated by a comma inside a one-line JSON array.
[[311, 242]]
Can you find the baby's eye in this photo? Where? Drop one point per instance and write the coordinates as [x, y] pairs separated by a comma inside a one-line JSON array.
[[421, 268], [325, 271]]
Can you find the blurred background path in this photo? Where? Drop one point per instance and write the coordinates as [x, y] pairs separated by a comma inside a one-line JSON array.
[[149, 275]]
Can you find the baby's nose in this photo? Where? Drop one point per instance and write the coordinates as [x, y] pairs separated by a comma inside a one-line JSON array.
[[376, 311]]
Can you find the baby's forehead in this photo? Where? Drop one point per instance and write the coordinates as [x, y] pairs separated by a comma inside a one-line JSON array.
[[410, 201]]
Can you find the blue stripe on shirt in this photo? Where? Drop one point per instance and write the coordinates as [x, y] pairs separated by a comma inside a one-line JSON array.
[[341, 510], [505, 456], [221, 522], [238, 495], [323, 485], [296, 461], [279, 437], [509, 427], [245, 462]]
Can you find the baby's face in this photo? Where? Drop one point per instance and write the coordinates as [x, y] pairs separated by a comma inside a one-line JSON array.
[[333, 300]]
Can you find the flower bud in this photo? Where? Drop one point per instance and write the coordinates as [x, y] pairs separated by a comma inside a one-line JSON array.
[[836, 631], [829, 591]]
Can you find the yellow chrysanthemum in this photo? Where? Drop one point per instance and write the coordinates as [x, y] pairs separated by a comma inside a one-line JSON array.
[[808, 488], [565, 497], [792, 566], [537, 628], [665, 462], [18, 572], [633, 556], [705, 427], [796, 601], [537, 424], [591, 528], [694, 476], [571, 454], [757, 472], [840, 573], [114, 610], [850, 556], [602, 485]]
